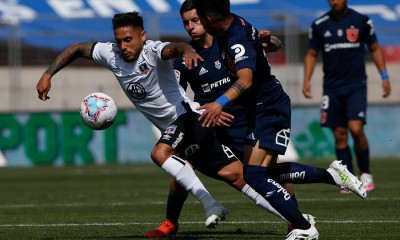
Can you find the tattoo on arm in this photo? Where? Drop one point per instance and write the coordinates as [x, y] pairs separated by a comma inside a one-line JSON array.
[[73, 52], [239, 87]]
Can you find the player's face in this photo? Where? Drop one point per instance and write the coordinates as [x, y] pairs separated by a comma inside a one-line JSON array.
[[191, 23], [338, 6], [130, 41]]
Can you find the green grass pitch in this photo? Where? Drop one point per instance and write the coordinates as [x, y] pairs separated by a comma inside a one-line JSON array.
[[124, 201]]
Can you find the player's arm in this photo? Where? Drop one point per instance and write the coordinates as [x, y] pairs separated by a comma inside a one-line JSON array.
[[74, 51], [377, 56], [181, 50], [211, 115], [309, 65], [269, 42]]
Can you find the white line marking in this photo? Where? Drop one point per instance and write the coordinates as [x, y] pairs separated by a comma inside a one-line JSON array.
[[188, 223]]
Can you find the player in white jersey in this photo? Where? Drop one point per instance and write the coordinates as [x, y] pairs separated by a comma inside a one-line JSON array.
[[145, 72]]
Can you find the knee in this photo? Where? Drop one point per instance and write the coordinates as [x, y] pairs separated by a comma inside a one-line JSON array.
[[161, 152], [233, 175]]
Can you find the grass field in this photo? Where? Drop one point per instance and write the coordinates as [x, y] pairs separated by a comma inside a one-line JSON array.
[[123, 202]]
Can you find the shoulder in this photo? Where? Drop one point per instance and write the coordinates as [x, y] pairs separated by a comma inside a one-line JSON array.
[[357, 15], [324, 19]]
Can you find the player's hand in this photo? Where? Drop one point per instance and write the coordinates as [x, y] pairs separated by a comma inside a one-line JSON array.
[[225, 119], [43, 86], [307, 89], [265, 37], [386, 88], [211, 114], [190, 57]]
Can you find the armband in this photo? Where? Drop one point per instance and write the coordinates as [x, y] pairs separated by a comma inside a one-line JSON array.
[[384, 75], [222, 100]]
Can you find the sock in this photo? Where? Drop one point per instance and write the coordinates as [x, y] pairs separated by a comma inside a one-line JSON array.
[[294, 199], [344, 154], [363, 160], [291, 172], [257, 177], [174, 207], [185, 176], [259, 200]]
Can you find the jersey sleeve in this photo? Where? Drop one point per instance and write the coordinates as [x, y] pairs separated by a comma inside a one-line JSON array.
[[153, 50], [314, 40], [244, 52], [103, 53], [370, 37], [181, 73]]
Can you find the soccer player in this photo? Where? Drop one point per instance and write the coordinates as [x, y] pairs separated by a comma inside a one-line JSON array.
[[342, 34], [207, 80], [145, 72]]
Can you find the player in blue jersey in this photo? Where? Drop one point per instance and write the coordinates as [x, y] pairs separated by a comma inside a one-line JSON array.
[[267, 106], [341, 35]]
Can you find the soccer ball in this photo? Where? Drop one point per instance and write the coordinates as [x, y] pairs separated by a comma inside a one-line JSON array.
[[98, 111]]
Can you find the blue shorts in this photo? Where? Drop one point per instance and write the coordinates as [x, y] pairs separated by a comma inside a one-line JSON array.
[[270, 123], [338, 107]]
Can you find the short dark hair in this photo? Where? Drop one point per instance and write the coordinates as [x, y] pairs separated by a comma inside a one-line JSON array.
[[218, 8], [186, 6], [129, 19]]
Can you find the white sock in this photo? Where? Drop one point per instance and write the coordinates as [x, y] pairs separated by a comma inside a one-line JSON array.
[[186, 177], [260, 201]]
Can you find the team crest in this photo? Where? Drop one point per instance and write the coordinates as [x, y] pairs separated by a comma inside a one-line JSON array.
[[144, 69], [352, 34], [217, 64], [170, 130]]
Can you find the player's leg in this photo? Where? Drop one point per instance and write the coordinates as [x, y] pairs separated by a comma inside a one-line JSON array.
[[357, 111], [176, 198], [177, 139]]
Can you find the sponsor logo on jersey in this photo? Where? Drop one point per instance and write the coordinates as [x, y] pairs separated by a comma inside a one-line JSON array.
[[217, 64], [282, 137], [327, 34], [136, 90], [346, 45], [352, 34], [203, 71], [207, 87], [239, 52]]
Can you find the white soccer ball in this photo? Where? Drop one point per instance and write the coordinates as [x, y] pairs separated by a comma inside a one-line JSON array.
[[98, 111]]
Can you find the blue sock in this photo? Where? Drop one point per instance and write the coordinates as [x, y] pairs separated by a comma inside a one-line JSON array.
[[257, 177], [344, 154], [174, 207], [363, 160], [291, 172]]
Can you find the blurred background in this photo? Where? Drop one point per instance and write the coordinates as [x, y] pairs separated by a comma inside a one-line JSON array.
[[32, 33]]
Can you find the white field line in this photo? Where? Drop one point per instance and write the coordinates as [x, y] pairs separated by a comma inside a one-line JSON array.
[[189, 223], [347, 199]]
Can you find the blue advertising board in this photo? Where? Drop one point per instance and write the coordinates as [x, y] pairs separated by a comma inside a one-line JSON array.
[[162, 16]]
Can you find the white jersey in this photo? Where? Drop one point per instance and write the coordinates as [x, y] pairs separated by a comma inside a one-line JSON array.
[[150, 82]]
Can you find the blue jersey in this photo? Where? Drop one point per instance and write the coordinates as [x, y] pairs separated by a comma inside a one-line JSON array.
[[209, 80], [267, 106], [342, 43]]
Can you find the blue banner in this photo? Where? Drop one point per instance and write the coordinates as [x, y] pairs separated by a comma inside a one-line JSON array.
[[86, 20]]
